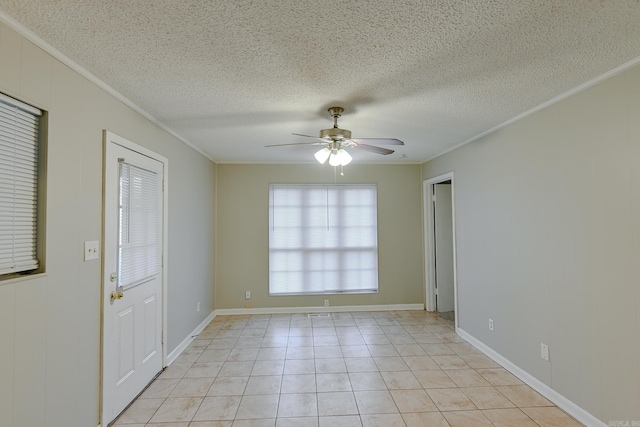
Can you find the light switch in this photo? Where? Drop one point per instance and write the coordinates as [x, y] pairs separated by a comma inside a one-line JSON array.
[[91, 250], [544, 351]]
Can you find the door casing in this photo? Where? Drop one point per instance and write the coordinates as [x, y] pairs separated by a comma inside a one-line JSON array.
[[111, 138], [429, 239]]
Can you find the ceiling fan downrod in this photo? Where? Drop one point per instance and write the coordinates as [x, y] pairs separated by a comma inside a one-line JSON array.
[[335, 112], [335, 133]]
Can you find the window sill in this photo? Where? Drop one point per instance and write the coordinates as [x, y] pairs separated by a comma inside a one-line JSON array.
[[367, 292], [21, 278]]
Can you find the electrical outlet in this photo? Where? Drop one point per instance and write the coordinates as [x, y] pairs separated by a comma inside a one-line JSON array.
[[247, 295], [491, 324], [198, 306], [326, 303], [544, 351]]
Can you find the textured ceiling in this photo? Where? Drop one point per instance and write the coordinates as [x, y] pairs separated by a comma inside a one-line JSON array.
[[233, 76]]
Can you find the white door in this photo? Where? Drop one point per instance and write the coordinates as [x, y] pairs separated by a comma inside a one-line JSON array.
[[443, 221], [133, 274]]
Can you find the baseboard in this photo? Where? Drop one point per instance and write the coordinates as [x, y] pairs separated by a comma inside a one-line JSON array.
[[335, 309], [185, 343], [562, 402]]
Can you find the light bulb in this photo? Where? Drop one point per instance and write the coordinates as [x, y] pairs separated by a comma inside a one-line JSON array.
[[334, 160], [344, 157], [322, 155]]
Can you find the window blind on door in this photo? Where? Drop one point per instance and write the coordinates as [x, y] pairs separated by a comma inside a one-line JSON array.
[[139, 257], [19, 138], [323, 239]]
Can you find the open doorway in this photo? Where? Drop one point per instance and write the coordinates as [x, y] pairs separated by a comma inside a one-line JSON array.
[[441, 287]]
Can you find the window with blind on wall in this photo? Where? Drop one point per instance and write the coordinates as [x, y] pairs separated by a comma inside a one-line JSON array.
[[323, 239], [139, 243], [19, 187]]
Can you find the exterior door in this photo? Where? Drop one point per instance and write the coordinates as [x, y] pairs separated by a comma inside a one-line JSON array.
[[443, 224], [132, 350]]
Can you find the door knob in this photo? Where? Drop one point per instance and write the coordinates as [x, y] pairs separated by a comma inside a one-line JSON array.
[[116, 295]]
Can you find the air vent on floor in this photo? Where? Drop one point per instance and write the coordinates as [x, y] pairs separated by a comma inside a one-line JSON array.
[[319, 315]]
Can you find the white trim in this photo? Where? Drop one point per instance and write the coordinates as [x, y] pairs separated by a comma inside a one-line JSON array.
[[546, 104], [23, 106], [112, 137], [335, 309], [24, 278], [32, 37], [562, 402], [429, 274], [429, 250], [185, 342], [282, 162], [109, 137]]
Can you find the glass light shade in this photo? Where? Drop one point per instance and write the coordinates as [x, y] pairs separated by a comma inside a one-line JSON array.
[[322, 155], [334, 160], [344, 157]]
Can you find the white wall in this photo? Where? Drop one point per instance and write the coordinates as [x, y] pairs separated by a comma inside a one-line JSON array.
[[50, 325], [548, 238]]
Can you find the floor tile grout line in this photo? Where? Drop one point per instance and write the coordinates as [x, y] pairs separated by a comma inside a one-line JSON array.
[[438, 333]]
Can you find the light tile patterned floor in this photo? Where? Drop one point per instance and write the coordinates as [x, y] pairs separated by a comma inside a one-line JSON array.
[[387, 369]]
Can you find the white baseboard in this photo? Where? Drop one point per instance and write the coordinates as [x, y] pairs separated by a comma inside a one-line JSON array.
[[562, 402], [336, 309], [185, 343]]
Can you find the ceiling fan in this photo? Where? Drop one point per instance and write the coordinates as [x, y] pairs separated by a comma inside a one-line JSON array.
[[335, 140]]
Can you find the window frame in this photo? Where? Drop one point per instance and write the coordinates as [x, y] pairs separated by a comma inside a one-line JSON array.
[[368, 278], [40, 204]]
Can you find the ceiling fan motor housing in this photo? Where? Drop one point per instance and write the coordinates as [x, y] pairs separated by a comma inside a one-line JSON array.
[[335, 134]]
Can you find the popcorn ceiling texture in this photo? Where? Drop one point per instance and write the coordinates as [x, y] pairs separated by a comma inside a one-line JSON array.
[[233, 76]]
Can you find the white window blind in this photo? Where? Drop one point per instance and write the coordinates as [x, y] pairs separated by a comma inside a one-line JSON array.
[[322, 239], [139, 256], [19, 131]]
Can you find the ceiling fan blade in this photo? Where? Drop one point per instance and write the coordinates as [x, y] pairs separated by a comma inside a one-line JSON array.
[[296, 143], [307, 136], [373, 149], [383, 141]]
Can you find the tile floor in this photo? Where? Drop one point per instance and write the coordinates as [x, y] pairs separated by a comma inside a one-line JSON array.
[[402, 368]]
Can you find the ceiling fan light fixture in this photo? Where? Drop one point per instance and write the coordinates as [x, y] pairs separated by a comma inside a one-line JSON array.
[[322, 155], [344, 157], [335, 140], [339, 157], [334, 159]]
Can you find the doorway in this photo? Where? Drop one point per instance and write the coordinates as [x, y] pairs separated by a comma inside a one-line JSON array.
[[133, 273], [441, 286]]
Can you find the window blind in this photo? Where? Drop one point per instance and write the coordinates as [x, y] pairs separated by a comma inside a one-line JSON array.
[[19, 140], [323, 239], [139, 257]]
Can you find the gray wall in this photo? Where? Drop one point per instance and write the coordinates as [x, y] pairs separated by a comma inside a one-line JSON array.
[[243, 233], [50, 325], [548, 238]]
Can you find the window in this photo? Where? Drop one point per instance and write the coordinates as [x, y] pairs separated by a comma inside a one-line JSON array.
[[322, 239], [19, 170], [139, 244]]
